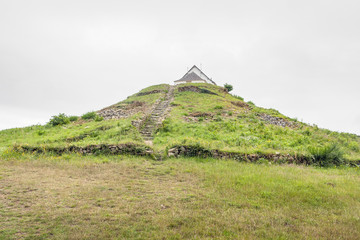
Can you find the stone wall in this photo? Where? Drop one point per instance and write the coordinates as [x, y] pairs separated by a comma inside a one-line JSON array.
[[198, 151], [111, 149]]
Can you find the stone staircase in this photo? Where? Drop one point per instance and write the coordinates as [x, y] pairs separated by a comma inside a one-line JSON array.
[[153, 121]]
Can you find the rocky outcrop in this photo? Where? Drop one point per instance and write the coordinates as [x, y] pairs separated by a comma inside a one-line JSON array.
[[241, 104], [277, 121], [122, 111], [148, 93], [113, 113], [201, 114], [195, 89]]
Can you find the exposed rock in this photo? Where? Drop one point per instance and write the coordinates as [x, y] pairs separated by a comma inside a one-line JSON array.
[[148, 93], [198, 151], [195, 89], [112, 149], [136, 123], [201, 114], [241, 104], [277, 121], [173, 152], [122, 111], [134, 104]]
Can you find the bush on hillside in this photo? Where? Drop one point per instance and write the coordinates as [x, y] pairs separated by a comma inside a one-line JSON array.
[[60, 119], [98, 118], [251, 103], [330, 155], [228, 87], [73, 118], [238, 97], [89, 115]]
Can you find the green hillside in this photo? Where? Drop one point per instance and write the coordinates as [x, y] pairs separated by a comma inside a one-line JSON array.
[[200, 115], [171, 163]]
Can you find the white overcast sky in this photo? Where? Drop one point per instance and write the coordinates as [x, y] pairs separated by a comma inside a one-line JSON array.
[[300, 57]]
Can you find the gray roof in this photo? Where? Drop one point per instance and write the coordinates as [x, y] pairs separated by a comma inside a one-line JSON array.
[[193, 76], [190, 77]]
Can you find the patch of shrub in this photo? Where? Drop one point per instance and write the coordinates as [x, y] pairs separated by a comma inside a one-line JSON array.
[[166, 126], [238, 97], [262, 161], [40, 132], [174, 104], [218, 119], [354, 146], [73, 118], [330, 155], [228, 87], [307, 132], [89, 115], [218, 107], [98, 118], [251, 103], [60, 119]]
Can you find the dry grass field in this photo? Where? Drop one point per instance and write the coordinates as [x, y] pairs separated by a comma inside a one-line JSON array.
[[73, 197]]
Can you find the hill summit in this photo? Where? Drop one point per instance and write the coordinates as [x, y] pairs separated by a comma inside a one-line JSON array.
[[192, 119]]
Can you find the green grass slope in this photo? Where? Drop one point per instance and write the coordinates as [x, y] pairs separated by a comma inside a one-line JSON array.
[[86, 132], [201, 114], [226, 122]]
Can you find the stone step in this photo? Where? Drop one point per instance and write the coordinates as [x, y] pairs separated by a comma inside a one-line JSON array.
[[154, 119], [146, 132]]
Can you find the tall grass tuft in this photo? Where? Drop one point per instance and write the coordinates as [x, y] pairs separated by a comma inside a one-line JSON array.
[[89, 115], [330, 155]]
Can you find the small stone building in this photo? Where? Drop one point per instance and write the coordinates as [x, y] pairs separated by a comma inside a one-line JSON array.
[[195, 75]]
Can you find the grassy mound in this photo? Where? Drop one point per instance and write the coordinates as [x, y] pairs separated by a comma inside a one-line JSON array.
[[225, 122], [201, 115]]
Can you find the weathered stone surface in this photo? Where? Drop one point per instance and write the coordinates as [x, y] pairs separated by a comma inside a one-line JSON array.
[[241, 104], [123, 111], [197, 151], [195, 89], [201, 114], [277, 121], [112, 149], [148, 93]]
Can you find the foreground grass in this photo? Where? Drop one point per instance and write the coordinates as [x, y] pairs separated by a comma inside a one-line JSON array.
[[73, 197]]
